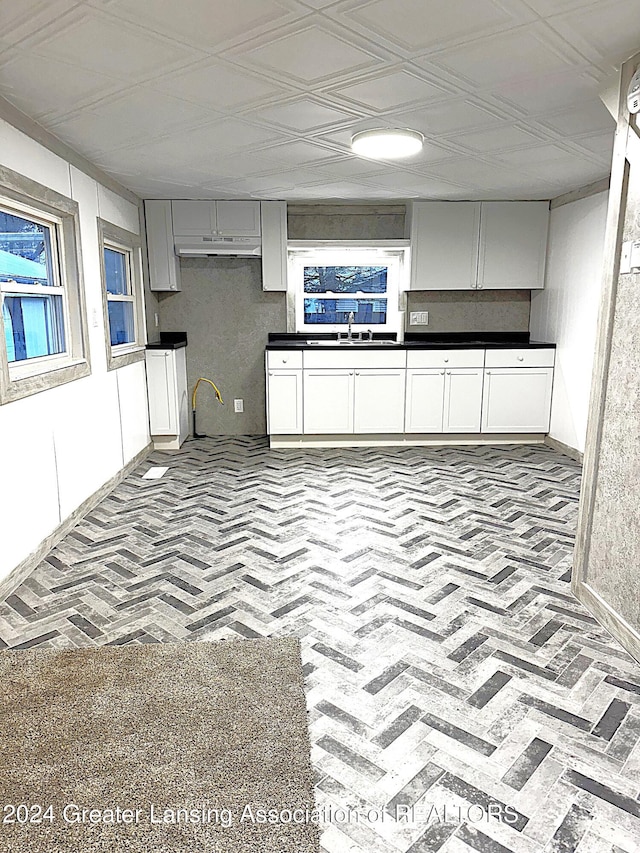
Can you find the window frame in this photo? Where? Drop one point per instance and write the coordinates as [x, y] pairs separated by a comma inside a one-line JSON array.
[[113, 237], [393, 258], [24, 197]]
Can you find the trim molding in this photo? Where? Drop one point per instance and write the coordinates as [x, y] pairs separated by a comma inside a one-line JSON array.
[[22, 122], [565, 449], [404, 439], [620, 629], [24, 569], [583, 192]]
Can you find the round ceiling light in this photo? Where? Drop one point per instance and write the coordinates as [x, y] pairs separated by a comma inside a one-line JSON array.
[[388, 143]]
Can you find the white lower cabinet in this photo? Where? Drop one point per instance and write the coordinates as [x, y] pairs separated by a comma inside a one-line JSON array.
[[517, 399], [444, 400], [328, 401], [168, 403], [425, 400], [462, 399], [284, 402], [379, 400]]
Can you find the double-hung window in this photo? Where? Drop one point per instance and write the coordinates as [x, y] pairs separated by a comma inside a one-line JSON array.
[[41, 299], [122, 294], [333, 288]]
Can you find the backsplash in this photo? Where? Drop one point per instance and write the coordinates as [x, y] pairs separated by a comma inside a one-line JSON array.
[[470, 311]]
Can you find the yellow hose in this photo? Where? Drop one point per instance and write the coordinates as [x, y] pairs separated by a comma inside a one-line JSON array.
[[202, 379]]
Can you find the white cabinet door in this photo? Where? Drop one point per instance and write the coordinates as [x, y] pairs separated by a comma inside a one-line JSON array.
[[284, 402], [517, 399], [238, 218], [425, 400], [164, 266], [462, 400], [379, 400], [193, 218], [163, 392], [273, 215], [328, 401], [444, 245], [513, 243]]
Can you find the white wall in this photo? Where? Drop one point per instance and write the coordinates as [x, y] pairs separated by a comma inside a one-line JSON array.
[[59, 446], [566, 311]]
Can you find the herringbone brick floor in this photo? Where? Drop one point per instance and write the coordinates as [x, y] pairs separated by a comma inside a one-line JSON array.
[[447, 664]]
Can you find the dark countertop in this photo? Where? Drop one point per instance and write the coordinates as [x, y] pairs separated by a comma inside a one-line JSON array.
[[169, 340], [413, 340]]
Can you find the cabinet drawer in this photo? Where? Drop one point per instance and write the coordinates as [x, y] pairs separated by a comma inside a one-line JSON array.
[[354, 358], [445, 358], [284, 358], [520, 357]]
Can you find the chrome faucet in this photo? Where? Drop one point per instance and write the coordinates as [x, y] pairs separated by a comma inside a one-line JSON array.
[[350, 320]]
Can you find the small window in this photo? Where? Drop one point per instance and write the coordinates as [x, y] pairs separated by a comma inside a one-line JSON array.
[[333, 287], [41, 295], [122, 294]]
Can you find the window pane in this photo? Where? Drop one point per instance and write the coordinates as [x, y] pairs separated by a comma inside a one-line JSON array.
[[33, 326], [25, 250], [115, 269], [336, 311], [121, 323], [358, 279]]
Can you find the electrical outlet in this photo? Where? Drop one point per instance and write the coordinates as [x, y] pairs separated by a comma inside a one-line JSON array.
[[238, 405], [418, 318]]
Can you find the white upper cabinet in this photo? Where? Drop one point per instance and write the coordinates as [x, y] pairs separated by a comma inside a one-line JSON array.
[[444, 245], [222, 218], [478, 245], [238, 218], [274, 245], [193, 217], [164, 266], [513, 244]]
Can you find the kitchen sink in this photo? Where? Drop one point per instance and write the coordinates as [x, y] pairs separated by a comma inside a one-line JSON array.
[[350, 343]]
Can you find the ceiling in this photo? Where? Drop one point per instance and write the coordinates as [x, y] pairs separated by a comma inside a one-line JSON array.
[[259, 98]]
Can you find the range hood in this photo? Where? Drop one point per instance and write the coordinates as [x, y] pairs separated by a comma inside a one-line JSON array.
[[198, 247]]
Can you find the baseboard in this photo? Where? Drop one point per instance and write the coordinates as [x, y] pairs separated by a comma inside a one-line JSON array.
[[620, 629], [405, 440], [563, 448], [24, 569]]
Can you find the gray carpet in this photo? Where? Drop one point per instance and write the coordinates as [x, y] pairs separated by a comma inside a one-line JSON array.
[[207, 727]]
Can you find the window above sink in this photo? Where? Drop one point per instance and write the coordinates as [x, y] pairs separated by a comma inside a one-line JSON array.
[[331, 286]]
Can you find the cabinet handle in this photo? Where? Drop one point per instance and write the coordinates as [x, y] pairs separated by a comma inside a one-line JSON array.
[[270, 373], [488, 372], [478, 285], [446, 360], [442, 373], [351, 373], [285, 360], [520, 358], [357, 373], [448, 373]]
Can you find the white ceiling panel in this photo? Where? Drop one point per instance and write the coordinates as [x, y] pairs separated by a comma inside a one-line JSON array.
[[394, 89], [139, 115], [202, 22], [443, 119], [104, 46], [416, 25], [488, 141], [509, 56], [606, 32], [220, 86], [310, 55], [545, 93], [253, 97], [301, 114], [584, 119], [47, 87]]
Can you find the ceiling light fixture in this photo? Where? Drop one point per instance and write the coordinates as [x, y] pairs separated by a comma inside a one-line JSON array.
[[389, 143]]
